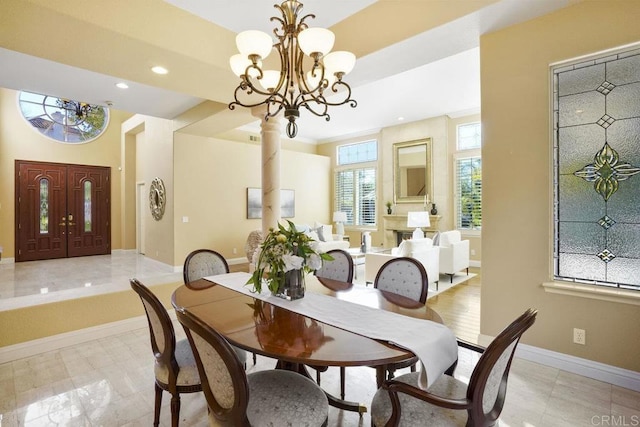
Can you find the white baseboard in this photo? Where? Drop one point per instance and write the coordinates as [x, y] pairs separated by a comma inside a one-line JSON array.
[[7, 261], [587, 368], [55, 342], [473, 263]]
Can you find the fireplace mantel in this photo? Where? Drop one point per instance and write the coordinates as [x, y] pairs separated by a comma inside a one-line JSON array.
[[393, 224]]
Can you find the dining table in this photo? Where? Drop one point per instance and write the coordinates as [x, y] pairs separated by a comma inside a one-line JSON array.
[[296, 340]]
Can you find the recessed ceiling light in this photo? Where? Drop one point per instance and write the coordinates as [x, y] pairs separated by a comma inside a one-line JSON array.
[[159, 70], [122, 85], [400, 119]]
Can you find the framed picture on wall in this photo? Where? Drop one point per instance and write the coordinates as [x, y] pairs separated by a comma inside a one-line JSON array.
[[254, 203]]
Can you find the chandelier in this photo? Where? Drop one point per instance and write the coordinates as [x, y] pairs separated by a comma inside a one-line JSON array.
[[80, 109], [308, 69]]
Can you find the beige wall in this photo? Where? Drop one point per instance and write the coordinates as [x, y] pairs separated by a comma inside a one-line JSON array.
[[44, 320], [442, 131], [517, 184], [20, 141], [211, 180]]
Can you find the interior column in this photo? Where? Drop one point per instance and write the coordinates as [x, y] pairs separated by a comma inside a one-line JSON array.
[[270, 133]]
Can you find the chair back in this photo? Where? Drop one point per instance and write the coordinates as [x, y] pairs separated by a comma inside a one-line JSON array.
[[202, 263], [340, 268], [488, 384], [224, 381], [447, 238], [403, 276], [163, 337]]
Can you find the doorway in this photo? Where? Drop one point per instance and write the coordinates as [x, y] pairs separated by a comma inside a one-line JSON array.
[[62, 210]]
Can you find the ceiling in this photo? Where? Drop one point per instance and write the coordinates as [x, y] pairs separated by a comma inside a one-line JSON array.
[[415, 59]]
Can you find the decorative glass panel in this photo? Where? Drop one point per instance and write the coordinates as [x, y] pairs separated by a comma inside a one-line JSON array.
[[64, 120], [44, 206], [358, 153], [597, 170], [87, 206]]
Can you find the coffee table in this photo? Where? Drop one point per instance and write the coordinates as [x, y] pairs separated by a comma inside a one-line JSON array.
[[358, 256]]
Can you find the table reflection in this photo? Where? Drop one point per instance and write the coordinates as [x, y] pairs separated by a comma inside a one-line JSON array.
[[287, 333]]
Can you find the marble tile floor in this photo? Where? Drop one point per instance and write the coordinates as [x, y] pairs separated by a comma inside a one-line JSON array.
[[109, 382], [36, 282]]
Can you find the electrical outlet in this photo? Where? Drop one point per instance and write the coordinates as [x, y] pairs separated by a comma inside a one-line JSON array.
[[579, 336]]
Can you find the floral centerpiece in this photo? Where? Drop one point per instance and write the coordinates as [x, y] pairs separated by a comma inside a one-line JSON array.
[[285, 256]]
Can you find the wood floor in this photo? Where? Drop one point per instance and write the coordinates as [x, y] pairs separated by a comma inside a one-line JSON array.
[[459, 306]]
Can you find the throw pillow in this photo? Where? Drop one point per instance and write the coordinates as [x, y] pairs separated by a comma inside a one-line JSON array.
[[320, 232], [313, 235]]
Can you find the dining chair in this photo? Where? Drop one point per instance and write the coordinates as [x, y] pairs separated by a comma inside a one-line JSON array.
[[340, 268], [202, 263], [273, 397], [449, 401], [403, 276], [175, 368]]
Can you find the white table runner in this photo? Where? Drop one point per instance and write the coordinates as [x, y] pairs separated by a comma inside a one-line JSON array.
[[433, 343]]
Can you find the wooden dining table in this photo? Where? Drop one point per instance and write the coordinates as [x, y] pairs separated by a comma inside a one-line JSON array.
[[295, 340]]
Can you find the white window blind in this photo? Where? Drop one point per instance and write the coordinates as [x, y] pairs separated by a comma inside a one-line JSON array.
[[469, 192], [355, 194]]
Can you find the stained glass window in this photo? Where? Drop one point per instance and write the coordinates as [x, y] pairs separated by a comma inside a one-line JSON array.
[[87, 206], [597, 169], [44, 206]]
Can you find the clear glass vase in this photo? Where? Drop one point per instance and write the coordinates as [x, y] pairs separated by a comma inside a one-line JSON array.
[[293, 286]]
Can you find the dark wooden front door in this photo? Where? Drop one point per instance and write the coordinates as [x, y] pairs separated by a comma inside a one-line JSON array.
[[62, 210]]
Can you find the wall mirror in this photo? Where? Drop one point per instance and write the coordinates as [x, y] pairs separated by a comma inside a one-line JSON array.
[[412, 171]]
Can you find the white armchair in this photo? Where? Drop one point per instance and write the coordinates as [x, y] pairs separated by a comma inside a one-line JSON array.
[[454, 253], [420, 249]]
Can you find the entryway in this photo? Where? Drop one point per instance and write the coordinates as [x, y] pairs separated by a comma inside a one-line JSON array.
[[62, 210]]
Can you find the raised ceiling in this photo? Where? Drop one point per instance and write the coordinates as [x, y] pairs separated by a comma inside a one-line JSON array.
[[416, 59]]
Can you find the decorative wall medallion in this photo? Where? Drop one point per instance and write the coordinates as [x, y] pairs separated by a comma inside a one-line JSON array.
[[157, 198]]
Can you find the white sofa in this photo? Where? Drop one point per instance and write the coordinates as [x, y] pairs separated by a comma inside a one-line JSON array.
[[454, 253], [420, 249], [323, 234]]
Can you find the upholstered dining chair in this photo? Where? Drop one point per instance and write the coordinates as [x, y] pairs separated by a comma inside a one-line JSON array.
[[407, 277], [175, 368], [449, 401], [340, 268], [273, 397], [202, 263], [403, 276]]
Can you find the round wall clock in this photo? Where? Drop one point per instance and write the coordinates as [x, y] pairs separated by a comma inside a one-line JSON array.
[[157, 198]]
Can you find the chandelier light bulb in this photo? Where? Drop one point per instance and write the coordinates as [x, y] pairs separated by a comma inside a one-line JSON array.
[[270, 79], [316, 40], [340, 62], [253, 42], [240, 63]]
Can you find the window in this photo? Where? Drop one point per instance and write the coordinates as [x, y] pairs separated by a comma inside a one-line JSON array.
[[355, 188], [597, 170], [63, 120], [468, 178]]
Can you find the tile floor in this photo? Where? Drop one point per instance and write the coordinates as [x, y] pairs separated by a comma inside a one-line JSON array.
[[109, 381]]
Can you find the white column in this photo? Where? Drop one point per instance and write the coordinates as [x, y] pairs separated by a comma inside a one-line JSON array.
[[270, 134]]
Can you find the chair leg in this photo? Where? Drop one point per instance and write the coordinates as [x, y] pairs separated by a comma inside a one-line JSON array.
[[158, 404], [318, 377], [175, 410], [451, 278], [254, 358], [451, 369], [342, 375]]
